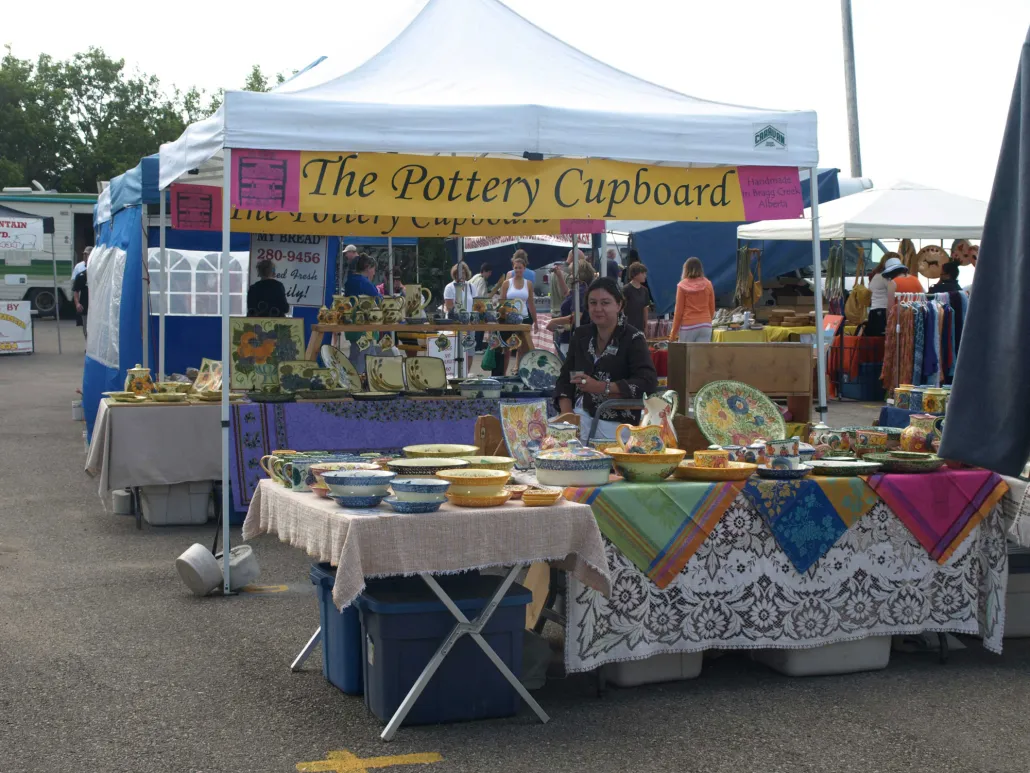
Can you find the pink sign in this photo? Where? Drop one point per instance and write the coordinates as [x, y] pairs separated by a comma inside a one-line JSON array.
[[267, 180], [770, 192], [582, 226], [196, 207]]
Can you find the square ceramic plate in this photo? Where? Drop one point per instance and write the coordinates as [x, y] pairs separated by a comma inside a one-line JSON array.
[[425, 373], [346, 375], [385, 374]]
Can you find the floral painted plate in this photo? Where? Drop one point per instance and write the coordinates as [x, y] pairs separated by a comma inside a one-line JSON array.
[[304, 375], [539, 369], [522, 423], [732, 413], [346, 376], [891, 463]]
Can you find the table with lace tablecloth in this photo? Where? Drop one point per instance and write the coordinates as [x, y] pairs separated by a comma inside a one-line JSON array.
[[739, 590]]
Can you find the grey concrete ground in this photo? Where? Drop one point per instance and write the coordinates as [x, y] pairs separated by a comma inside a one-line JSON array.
[[107, 664]]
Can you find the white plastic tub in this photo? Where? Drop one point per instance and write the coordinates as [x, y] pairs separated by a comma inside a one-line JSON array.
[[846, 657], [669, 667], [180, 504]]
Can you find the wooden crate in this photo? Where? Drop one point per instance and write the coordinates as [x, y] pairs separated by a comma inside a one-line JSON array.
[[783, 371]]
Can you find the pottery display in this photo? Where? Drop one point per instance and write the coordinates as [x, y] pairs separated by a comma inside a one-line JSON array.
[[573, 465], [689, 470], [138, 381], [420, 490], [424, 467], [935, 400], [438, 451], [903, 396], [484, 388], [730, 412], [646, 468], [712, 458], [659, 409], [920, 433], [475, 483], [358, 483]]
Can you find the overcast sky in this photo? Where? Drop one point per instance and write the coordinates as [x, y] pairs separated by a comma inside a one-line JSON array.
[[934, 76]]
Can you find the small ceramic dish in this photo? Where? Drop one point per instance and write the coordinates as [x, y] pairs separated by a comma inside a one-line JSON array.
[[173, 387], [320, 491], [407, 507], [516, 490], [168, 397], [687, 470], [424, 467], [359, 503], [124, 397], [479, 501], [782, 473], [541, 498], [505, 463], [439, 451]]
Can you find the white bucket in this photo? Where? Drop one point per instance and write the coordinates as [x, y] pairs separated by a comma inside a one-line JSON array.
[[201, 572], [243, 566], [121, 502], [77, 414]]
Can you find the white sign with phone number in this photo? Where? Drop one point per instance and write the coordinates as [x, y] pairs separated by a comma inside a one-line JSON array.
[[300, 264], [15, 327]]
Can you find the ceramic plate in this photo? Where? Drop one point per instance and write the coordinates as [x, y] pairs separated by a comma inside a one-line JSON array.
[[168, 398], [539, 369], [425, 373], [385, 374], [270, 397], [438, 451], [890, 463], [736, 471], [303, 375], [521, 423], [732, 413], [780, 473], [346, 376], [842, 468], [376, 395], [209, 379]]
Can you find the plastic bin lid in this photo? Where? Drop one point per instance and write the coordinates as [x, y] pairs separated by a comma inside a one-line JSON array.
[[407, 595]]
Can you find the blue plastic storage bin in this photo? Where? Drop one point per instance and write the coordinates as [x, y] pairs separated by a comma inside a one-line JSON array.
[[341, 635], [403, 623]]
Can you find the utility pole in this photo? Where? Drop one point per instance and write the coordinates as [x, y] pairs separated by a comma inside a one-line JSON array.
[[849, 86]]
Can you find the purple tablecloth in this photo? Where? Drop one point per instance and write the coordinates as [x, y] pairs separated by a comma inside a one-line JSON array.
[[258, 429]]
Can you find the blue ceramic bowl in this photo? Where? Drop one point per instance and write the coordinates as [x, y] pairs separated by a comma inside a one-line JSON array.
[[358, 502], [355, 478], [411, 508]]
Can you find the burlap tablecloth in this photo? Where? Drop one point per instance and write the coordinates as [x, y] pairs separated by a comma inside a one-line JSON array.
[[154, 444], [380, 543]]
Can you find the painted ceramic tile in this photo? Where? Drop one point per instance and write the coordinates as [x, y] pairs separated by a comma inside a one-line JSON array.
[[343, 370], [301, 375], [209, 379], [523, 423], [259, 344]]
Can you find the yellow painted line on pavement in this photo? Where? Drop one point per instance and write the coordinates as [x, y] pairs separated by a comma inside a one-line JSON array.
[[264, 588], [343, 761]]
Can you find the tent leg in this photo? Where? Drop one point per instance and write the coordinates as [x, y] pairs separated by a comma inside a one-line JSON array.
[[575, 283], [226, 309], [389, 278], [459, 287], [164, 293], [57, 297], [817, 269]]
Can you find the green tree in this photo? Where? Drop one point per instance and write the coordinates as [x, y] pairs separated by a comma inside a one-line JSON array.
[[256, 81]]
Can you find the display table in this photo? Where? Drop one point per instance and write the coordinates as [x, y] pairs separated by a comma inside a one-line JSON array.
[[319, 332], [767, 334], [380, 543], [257, 429], [897, 417], [728, 582], [152, 444]]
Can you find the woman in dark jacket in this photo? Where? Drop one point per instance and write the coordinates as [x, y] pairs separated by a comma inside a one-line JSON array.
[[607, 359]]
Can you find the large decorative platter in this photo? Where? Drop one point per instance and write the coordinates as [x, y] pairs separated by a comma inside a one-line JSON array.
[[733, 413], [842, 468], [891, 463], [539, 369], [522, 423], [385, 374], [304, 375], [346, 375]]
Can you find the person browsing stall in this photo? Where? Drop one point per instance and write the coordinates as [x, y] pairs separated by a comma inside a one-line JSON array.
[[948, 282], [568, 309], [638, 297], [457, 295], [527, 272], [607, 359], [267, 296], [695, 305]]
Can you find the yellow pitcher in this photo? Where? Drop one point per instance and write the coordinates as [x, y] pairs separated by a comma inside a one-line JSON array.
[[640, 440]]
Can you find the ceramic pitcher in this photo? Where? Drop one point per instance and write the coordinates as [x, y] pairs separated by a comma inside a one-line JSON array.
[[416, 299], [920, 433], [138, 380], [640, 440]]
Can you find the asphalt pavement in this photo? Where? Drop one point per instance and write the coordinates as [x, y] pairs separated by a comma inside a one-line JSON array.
[[108, 664]]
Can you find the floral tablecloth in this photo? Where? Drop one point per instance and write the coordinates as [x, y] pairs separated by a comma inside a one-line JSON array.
[[256, 429], [740, 591]]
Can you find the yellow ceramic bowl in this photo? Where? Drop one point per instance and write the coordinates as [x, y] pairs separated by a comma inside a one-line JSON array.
[[475, 483], [478, 500], [646, 468], [505, 463], [439, 451]]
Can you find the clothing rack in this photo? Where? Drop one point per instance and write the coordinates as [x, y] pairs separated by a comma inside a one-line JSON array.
[[910, 298]]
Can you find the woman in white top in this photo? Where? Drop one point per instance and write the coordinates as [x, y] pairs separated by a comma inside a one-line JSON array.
[[878, 288], [457, 296], [517, 287]]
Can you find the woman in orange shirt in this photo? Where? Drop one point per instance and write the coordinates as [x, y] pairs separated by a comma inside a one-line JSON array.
[[695, 306], [899, 280]]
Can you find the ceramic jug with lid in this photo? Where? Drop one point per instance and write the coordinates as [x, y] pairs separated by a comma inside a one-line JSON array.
[[138, 380]]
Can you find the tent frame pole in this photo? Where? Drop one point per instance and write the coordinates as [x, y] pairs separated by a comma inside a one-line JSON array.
[[164, 289], [575, 283], [226, 308], [57, 296], [817, 269]]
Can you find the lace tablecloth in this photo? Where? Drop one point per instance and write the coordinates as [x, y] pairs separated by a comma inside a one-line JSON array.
[[740, 591], [380, 543]]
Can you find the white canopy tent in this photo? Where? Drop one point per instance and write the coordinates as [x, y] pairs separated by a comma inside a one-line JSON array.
[[443, 86], [899, 211]]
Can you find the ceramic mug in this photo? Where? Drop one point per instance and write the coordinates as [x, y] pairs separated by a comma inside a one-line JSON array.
[[391, 317], [755, 453], [915, 400], [712, 458], [463, 317], [359, 317], [640, 440], [736, 453], [374, 317], [788, 448], [785, 462]]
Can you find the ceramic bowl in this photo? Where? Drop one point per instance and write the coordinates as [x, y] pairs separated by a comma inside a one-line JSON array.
[[439, 451], [516, 490], [475, 483], [358, 483], [505, 463], [172, 387], [485, 388], [320, 491], [359, 502], [420, 489], [494, 500], [408, 507], [806, 451], [646, 468], [407, 468], [573, 465], [318, 470]]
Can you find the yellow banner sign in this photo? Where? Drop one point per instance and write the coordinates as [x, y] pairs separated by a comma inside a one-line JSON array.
[[499, 189], [320, 224]]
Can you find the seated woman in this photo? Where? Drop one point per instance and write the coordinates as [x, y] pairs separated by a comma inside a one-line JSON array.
[[607, 359]]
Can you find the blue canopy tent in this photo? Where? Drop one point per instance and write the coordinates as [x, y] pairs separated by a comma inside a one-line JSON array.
[[664, 248]]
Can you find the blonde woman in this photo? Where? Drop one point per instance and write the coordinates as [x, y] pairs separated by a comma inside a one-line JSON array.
[[517, 287], [695, 305], [458, 294]]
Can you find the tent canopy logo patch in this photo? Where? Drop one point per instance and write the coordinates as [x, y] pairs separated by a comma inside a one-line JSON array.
[[770, 136]]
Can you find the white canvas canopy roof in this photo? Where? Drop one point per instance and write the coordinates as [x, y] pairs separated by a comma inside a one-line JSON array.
[[899, 211], [474, 77]]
